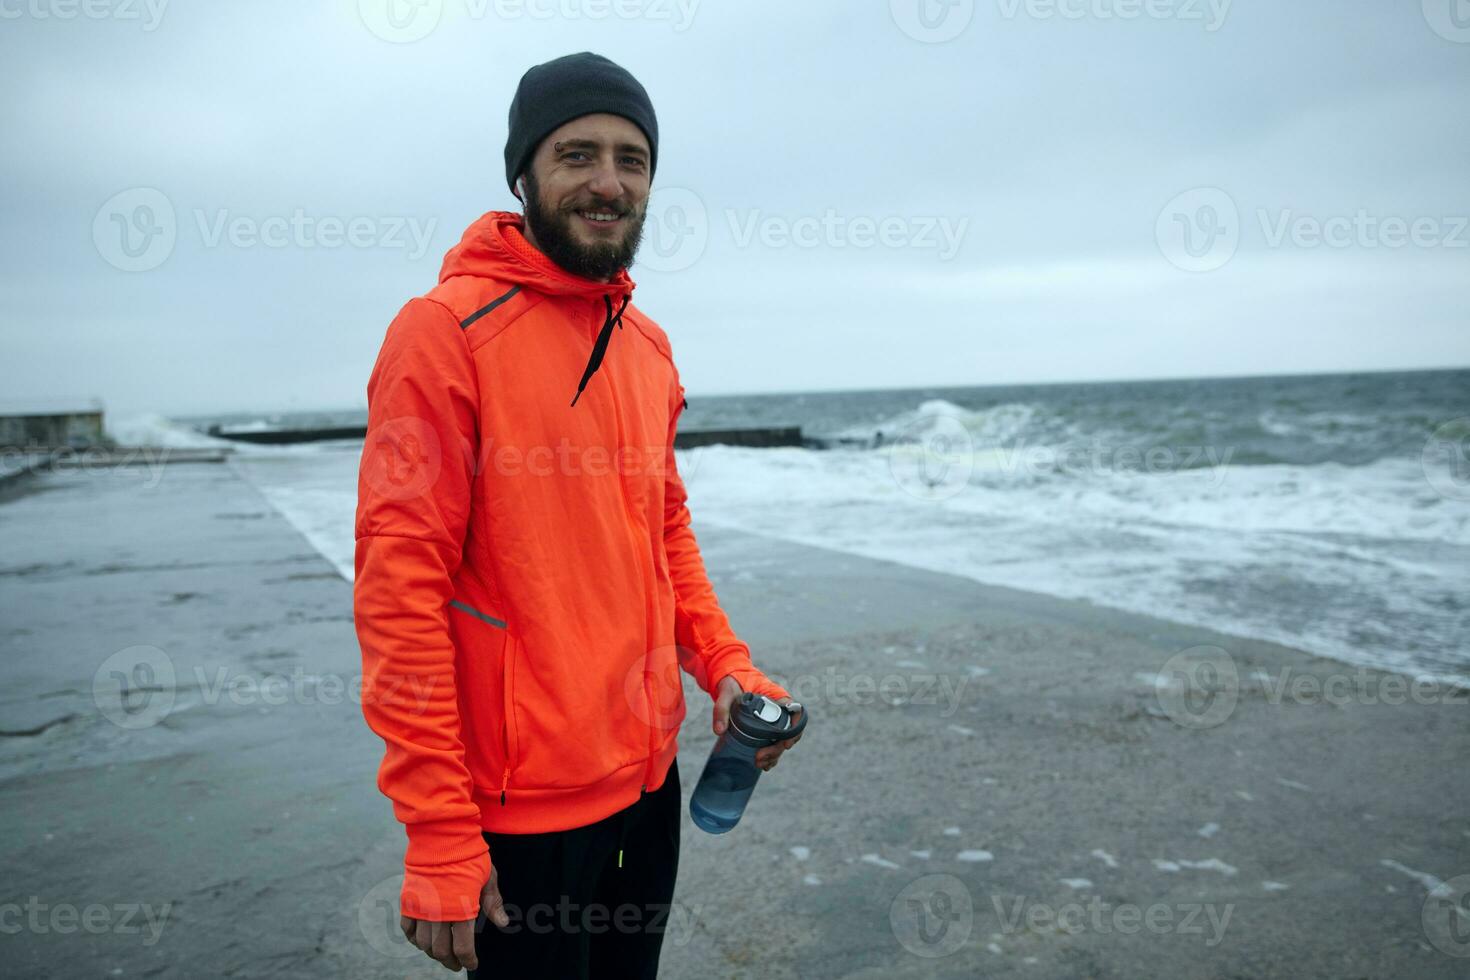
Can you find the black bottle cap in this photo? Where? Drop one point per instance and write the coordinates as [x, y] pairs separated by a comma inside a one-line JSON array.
[[759, 720]]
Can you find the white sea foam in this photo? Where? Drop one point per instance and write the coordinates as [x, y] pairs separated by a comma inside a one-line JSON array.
[[880, 861], [306, 488], [1354, 540], [156, 431], [1208, 864], [1424, 878]]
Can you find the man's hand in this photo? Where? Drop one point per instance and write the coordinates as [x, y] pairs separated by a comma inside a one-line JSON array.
[[727, 694], [453, 943]]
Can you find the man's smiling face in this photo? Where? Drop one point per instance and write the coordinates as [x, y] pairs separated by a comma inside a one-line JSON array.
[[586, 194]]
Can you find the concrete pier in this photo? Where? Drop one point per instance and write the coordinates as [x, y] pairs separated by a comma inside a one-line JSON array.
[[189, 785]]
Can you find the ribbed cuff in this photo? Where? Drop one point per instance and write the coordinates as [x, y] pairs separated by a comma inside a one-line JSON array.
[[444, 871]]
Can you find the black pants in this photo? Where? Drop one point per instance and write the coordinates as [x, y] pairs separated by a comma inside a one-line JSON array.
[[574, 913]]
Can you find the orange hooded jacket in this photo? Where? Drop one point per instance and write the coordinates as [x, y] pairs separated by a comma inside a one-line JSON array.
[[527, 583]]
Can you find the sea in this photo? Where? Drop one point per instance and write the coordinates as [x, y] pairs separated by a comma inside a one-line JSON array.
[[1330, 513]]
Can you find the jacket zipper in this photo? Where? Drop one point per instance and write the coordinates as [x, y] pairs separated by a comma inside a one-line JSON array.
[[652, 733], [508, 696], [628, 512]]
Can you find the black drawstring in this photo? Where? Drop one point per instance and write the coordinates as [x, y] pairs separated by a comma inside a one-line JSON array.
[[599, 347]]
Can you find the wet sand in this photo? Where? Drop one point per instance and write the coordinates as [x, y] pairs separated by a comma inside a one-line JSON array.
[[994, 782]]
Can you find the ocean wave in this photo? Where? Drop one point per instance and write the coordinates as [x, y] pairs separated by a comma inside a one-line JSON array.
[[156, 431], [1288, 553], [937, 417]]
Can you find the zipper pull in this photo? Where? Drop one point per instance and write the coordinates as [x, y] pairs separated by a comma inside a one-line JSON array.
[[504, 783]]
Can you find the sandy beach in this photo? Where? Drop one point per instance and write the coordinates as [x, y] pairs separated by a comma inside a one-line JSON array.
[[995, 783]]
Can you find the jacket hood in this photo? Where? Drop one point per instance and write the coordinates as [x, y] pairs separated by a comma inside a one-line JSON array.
[[493, 247]]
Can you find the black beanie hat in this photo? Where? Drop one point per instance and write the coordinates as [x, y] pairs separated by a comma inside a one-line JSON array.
[[559, 91]]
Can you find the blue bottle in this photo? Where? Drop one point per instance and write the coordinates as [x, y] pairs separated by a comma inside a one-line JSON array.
[[730, 773]]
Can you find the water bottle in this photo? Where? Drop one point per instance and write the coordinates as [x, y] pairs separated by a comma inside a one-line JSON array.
[[730, 773]]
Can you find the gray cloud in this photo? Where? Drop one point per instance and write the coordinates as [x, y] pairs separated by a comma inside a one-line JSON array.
[[1051, 144]]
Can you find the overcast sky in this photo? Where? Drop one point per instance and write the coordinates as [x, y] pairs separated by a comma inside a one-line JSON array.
[[849, 195]]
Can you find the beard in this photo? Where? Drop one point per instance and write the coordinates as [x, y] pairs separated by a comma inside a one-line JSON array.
[[558, 239]]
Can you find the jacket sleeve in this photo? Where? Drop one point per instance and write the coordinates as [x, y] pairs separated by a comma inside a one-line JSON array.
[[709, 650], [413, 505]]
